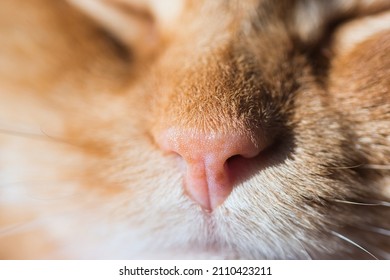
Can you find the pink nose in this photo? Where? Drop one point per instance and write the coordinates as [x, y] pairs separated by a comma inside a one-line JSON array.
[[208, 179]]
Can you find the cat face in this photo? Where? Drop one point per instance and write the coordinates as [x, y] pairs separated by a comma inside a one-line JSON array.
[[206, 130]]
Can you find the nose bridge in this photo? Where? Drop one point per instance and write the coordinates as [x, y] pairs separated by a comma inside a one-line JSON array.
[[204, 98]]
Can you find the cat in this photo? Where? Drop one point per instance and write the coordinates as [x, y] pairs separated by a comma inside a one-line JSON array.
[[194, 129]]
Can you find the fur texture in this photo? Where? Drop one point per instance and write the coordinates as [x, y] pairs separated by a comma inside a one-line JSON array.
[[85, 87]]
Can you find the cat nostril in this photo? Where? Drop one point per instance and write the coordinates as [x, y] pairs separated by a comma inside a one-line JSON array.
[[208, 179]]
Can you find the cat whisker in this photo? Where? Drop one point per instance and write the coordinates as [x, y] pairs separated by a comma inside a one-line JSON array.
[[378, 230], [376, 166], [36, 136], [346, 167], [364, 166], [308, 256], [379, 203], [343, 237], [18, 228], [49, 195], [43, 220], [24, 134], [32, 182], [379, 252]]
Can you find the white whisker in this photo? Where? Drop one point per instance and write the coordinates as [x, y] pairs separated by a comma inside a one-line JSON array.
[[18, 228], [33, 135], [353, 243], [347, 167], [376, 166], [49, 219], [23, 134], [383, 254], [308, 256], [380, 203], [42, 192], [379, 230]]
